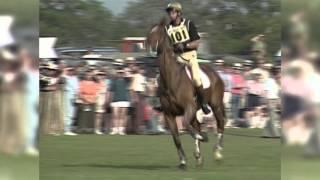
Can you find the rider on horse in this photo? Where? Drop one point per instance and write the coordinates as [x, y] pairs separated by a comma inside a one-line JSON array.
[[185, 39]]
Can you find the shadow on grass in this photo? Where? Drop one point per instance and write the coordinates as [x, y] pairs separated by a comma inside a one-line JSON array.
[[242, 135], [123, 166], [251, 136]]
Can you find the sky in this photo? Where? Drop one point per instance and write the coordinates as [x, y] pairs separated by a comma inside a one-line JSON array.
[[116, 6]]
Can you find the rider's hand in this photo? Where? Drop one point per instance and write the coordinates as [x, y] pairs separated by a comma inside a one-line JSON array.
[[179, 47]]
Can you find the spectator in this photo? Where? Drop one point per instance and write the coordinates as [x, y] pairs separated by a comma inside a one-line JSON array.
[[50, 109], [101, 100], [70, 93], [32, 102], [153, 124], [120, 103], [260, 69], [12, 111], [88, 90], [226, 77], [237, 90], [272, 95], [256, 91], [247, 67], [259, 48], [137, 88]]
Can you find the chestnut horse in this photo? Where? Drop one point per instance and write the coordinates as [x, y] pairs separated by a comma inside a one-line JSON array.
[[177, 95]]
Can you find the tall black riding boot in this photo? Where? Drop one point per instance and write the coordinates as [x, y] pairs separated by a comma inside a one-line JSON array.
[[201, 100]]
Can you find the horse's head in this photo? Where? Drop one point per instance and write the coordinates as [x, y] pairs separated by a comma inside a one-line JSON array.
[[157, 37]]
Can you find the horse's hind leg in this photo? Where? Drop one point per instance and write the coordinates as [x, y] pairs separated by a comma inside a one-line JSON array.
[[197, 151], [175, 135], [219, 116]]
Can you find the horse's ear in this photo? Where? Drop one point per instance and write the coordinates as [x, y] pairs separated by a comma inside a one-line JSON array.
[[163, 22]]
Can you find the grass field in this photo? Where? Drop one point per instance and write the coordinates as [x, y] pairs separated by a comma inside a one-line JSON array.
[[295, 166], [136, 157], [19, 167]]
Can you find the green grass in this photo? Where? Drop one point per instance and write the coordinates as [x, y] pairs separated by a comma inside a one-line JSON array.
[[136, 157], [295, 166], [18, 168]]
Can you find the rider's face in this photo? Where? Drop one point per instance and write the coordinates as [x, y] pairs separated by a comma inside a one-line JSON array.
[[173, 15]]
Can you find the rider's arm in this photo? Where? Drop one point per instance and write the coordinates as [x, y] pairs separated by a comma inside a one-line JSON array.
[[193, 44], [194, 37]]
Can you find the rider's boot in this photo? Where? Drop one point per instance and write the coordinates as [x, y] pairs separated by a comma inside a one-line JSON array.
[[201, 100]]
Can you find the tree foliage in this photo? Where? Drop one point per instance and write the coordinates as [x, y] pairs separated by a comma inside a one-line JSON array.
[[230, 23], [75, 22]]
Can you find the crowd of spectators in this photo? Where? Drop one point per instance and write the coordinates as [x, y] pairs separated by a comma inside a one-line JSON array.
[[251, 95], [103, 100], [123, 99], [300, 86]]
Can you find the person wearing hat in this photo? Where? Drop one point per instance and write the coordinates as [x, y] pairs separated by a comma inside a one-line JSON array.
[[120, 102], [226, 77], [256, 94], [88, 91], [185, 39], [70, 93], [51, 92], [237, 90], [259, 47], [261, 69], [12, 92], [247, 63], [137, 87], [12, 103], [267, 66], [247, 67], [51, 117], [130, 60], [100, 101], [272, 89], [31, 71], [131, 67]]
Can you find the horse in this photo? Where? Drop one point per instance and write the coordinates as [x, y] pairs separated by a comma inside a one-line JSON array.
[[177, 95]]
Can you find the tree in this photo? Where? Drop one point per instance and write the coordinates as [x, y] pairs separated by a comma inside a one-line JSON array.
[[230, 24], [82, 23]]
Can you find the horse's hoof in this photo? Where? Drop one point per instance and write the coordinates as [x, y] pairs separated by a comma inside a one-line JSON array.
[[182, 166], [199, 162], [218, 156]]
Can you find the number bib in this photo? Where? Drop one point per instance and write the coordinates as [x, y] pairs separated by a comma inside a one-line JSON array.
[[178, 34]]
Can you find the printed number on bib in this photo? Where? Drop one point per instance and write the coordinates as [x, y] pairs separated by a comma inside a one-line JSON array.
[[179, 34]]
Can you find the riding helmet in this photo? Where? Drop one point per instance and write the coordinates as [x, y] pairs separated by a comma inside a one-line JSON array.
[[174, 6]]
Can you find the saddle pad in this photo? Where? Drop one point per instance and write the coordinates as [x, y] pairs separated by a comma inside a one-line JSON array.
[[204, 77]]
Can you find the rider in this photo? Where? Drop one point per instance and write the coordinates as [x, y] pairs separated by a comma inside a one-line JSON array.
[[185, 39]]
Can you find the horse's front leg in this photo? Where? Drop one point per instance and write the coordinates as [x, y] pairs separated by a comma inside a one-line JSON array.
[[171, 120], [197, 151], [190, 118]]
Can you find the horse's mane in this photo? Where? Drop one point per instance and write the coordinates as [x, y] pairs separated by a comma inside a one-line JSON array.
[[165, 53], [163, 40]]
